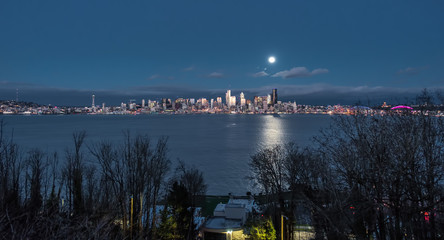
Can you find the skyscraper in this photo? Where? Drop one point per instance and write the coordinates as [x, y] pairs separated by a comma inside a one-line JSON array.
[[242, 99], [228, 98], [232, 101], [274, 98], [204, 102]]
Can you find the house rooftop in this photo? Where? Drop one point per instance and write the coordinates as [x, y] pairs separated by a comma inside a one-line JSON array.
[[223, 223], [220, 207], [248, 204]]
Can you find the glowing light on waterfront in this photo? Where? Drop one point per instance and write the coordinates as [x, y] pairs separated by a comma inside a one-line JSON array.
[[401, 107]]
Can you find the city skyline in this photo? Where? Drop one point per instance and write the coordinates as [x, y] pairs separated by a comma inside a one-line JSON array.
[[267, 104], [324, 52]]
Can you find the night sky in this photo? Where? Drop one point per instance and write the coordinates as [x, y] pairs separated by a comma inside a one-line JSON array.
[[327, 52]]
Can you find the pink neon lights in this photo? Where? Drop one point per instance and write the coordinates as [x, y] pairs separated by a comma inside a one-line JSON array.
[[401, 107]]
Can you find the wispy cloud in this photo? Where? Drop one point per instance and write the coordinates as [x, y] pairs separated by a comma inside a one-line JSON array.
[[260, 74], [9, 84], [412, 70], [188, 69], [289, 90], [215, 75], [333, 94], [157, 76], [299, 72]]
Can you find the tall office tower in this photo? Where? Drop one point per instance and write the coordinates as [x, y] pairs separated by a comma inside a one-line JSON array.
[[250, 106], [219, 102], [268, 99], [274, 98], [242, 99], [212, 103], [93, 104], [103, 107], [143, 103], [204, 102], [228, 98], [232, 101]]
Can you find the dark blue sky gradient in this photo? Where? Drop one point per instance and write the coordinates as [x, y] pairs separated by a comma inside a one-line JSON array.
[[131, 49]]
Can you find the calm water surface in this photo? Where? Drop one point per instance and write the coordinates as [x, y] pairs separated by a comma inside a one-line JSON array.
[[219, 145]]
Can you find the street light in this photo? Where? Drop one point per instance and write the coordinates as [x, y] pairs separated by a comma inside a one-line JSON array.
[[230, 233]]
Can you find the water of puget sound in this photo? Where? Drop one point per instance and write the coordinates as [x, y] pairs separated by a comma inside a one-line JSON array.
[[219, 145]]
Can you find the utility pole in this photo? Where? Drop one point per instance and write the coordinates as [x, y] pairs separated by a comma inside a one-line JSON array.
[[282, 227], [140, 214], [131, 219]]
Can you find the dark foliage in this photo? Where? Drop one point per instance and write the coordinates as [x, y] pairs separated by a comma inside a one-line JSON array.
[[86, 198], [369, 177]]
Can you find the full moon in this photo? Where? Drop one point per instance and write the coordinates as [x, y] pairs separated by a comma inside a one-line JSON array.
[[271, 59]]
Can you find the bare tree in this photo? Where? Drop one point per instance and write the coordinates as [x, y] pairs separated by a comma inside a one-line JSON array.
[[91, 190], [74, 171], [11, 166], [301, 176], [159, 167], [35, 173], [390, 170], [136, 170], [193, 181], [113, 176], [268, 171], [11, 187], [56, 183], [369, 176]]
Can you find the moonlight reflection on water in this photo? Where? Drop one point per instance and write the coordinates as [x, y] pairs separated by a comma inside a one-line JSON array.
[[272, 132]]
